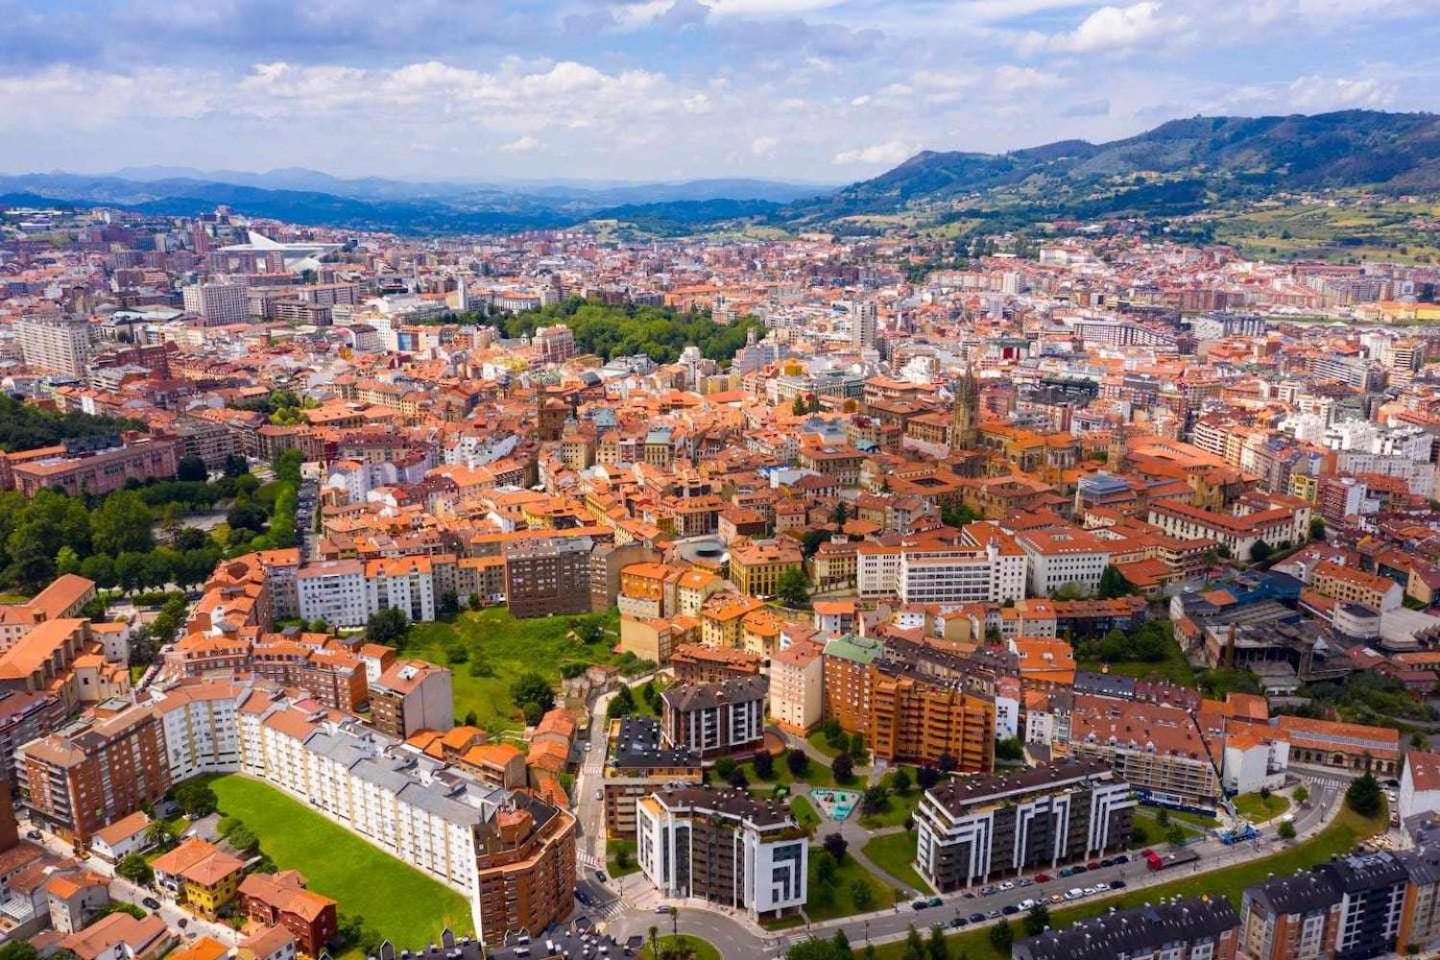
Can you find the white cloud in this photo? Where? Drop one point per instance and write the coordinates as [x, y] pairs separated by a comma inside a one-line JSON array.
[[1111, 29], [1314, 93], [890, 152], [760, 146], [525, 144]]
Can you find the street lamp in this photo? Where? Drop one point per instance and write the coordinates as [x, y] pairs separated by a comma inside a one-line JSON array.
[[867, 933]]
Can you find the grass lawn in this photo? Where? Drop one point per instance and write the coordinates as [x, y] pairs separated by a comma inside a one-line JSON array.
[[613, 849], [816, 774], [692, 946], [804, 812], [898, 806], [499, 649], [9, 599], [842, 903], [1173, 669], [1348, 829], [1258, 809], [817, 740], [1192, 824], [895, 854], [364, 879]]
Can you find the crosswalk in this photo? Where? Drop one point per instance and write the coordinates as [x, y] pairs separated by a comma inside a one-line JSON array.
[[589, 860]]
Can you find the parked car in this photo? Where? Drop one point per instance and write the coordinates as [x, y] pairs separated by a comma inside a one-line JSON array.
[[34, 835], [1117, 884], [1093, 865], [1123, 858], [993, 915], [1025, 904], [935, 902], [959, 922], [1009, 909], [600, 875], [1008, 885], [599, 794], [1074, 893], [1056, 898], [920, 904], [1042, 878], [977, 918], [1024, 882], [151, 903]]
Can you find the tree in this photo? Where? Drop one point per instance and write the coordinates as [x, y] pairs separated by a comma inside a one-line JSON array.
[[764, 766], [914, 945], [621, 705], [1364, 796], [1009, 749], [1037, 919], [793, 589], [160, 834], [1163, 817], [836, 845], [134, 868], [936, 948], [861, 894], [1113, 583], [839, 515], [196, 799], [840, 945], [235, 466], [387, 627], [798, 761], [1260, 551], [843, 768], [927, 777], [1175, 836], [1317, 528], [18, 949], [875, 799], [737, 779], [243, 838], [1301, 794], [192, 468], [1286, 831], [900, 780], [1002, 937]]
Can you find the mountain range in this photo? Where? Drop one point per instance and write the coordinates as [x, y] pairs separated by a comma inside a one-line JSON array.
[[1178, 167]]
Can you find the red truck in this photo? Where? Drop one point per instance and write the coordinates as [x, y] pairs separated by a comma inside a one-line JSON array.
[[1155, 861]]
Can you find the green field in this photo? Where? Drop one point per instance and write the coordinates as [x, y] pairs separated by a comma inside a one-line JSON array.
[[1340, 837], [614, 849], [1349, 231], [694, 946], [1173, 669], [1258, 809], [898, 806], [842, 903], [817, 740], [804, 812], [499, 649], [895, 854], [816, 774], [362, 878]]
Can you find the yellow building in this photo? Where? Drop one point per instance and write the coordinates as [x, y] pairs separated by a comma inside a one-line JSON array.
[[757, 566], [722, 618], [200, 875]]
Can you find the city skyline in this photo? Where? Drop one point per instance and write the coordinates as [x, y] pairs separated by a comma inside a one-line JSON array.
[[801, 90]]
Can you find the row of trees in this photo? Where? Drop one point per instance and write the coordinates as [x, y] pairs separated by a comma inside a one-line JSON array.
[[112, 540], [27, 427]]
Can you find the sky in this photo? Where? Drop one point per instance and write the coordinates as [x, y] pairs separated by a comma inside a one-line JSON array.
[[812, 91]]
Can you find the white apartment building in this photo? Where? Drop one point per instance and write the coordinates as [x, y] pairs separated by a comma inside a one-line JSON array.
[[54, 344], [334, 591], [217, 303], [411, 805], [934, 571], [722, 847], [404, 583], [1063, 557]]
